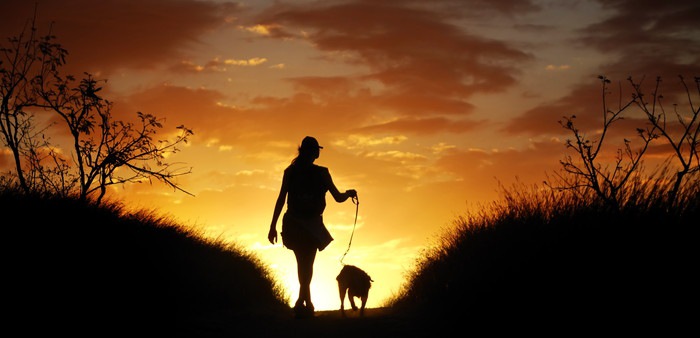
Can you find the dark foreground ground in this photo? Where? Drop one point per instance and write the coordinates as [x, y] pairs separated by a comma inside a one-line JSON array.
[[377, 322], [381, 322]]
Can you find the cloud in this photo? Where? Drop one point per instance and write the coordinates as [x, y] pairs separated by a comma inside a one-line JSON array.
[[585, 102], [557, 67], [474, 167], [417, 63], [401, 156], [103, 36], [648, 38], [364, 141], [423, 126], [641, 40], [258, 29], [249, 62]]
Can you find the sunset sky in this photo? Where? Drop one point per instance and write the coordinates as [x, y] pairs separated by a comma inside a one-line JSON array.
[[423, 107]]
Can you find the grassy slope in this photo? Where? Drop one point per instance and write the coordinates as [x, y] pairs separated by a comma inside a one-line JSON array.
[[74, 267], [534, 258]]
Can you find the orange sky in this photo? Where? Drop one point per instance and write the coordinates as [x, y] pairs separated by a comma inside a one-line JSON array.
[[423, 107]]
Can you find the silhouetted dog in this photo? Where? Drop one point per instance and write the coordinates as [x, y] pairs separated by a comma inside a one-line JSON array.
[[357, 283]]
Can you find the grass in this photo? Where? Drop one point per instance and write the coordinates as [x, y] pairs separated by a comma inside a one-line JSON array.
[[538, 255], [535, 255], [73, 265]]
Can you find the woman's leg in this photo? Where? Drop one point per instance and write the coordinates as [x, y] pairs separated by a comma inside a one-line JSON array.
[[305, 271]]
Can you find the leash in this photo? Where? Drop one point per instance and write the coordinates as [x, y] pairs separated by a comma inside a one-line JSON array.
[[356, 202]]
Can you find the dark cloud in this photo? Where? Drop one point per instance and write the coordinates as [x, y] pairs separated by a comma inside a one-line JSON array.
[[585, 102], [105, 35], [511, 7], [354, 105], [412, 51], [195, 108], [470, 8], [269, 119], [333, 111], [648, 37], [644, 40]]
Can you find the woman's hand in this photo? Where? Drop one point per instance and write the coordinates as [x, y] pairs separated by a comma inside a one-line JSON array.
[[352, 193], [272, 236]]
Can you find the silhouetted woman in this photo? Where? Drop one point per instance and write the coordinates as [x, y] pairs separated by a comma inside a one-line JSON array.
[[304, 187]]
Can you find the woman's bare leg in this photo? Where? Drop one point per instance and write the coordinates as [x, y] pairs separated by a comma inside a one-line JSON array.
[[305, 271]]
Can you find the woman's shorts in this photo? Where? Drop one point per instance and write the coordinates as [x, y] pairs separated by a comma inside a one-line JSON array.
[[300, 233]]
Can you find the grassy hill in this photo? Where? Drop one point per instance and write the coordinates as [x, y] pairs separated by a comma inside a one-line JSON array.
[[540, 259], [78, 266], [545, 259]]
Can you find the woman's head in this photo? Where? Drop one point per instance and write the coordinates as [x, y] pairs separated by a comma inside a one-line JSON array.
[[309, 149], [309, 143]]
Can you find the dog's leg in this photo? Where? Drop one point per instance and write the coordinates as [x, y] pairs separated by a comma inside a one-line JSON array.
[[351, 296], [362, 308], [341, 291]]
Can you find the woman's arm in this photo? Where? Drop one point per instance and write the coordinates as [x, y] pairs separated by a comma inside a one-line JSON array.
[[281, 198], [337, 195]]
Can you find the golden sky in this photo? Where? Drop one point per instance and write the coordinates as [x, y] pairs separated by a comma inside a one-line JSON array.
[[423, 107]]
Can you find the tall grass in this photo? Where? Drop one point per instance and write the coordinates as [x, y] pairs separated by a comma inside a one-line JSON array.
[[72, 266], [540, 254]]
